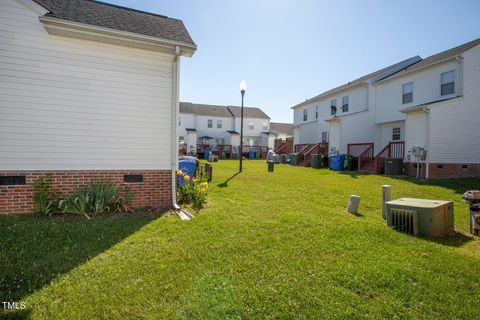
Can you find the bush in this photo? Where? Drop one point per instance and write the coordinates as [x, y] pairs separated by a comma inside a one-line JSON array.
[[43, 198], [95, 199], [193, 191]]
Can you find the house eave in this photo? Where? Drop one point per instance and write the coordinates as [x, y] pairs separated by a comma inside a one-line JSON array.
[[325, 95], [60, 27]]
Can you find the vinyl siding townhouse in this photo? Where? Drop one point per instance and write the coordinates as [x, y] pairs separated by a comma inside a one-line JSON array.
[[88, 91], [432, 103], [218, 126]]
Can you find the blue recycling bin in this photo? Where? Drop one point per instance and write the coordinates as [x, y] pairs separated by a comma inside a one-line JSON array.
[[188, 167], [337, 162], [251, 155], [206, 154]]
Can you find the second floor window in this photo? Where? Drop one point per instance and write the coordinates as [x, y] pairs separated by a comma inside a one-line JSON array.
[[250, 126], [219, 124], [209, 123], [333, 107], [396, 134], [448, 83], [316, 112], [345, 104], [265, 126], [305, 115], [407, 93]]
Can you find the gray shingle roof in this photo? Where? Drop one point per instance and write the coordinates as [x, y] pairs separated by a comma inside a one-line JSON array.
[[286, 128], [450, 53], [248, 112], [374, 76], [119, 18], [204, 110]]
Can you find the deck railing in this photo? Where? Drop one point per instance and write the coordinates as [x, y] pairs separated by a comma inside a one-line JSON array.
[[394, 149], [365, 157], [355, 149]]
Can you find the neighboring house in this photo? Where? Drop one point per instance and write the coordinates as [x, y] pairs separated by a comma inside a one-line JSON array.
[[220, 125], [351, 104], [88, 91], [277, 131], [428, 103]]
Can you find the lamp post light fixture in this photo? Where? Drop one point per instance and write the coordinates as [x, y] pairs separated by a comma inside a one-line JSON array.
[[243, 88]]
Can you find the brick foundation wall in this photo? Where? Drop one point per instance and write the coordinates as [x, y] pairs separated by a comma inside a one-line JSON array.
[[445, 170], [153, 192]]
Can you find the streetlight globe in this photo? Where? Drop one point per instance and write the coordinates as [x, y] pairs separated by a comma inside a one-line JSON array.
[[243, 86]]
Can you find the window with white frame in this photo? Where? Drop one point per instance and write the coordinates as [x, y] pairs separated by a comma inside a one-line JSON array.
[[265, 126], [324, 136], [407, 93], [345, 104], [396, 134], [305, 115], [179, 121], [448, 83], [333, 107], [209, 123], [222, 140], [251, 126], [316, 112], [219, 124]]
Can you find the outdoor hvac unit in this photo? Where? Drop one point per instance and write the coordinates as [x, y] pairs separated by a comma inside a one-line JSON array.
[[431, 218], [393, 166]]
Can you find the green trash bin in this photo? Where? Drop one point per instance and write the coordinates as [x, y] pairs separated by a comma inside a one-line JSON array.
[[348, 163]]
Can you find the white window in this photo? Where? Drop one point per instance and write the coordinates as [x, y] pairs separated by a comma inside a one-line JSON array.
[[305, 115], [250, 126], [219, 124], [333, 107], [222, 140], [181, 139], [316, 112], [345, 104], [396, 134], [448, 83], [324, 136], [407, 93], [217, 140], [265, 126], [209, 123], [179, 121]]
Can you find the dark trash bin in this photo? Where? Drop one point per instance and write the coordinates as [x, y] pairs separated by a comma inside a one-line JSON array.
[[271, 166]]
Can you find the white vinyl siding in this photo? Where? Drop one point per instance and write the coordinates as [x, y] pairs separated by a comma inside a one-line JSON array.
[[415, 133], [79, 105]]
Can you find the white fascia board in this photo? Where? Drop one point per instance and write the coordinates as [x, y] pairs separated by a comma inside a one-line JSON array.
[[77, 30], [323, 95]]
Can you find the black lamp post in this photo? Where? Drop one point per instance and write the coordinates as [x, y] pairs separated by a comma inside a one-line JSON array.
[[243, 87]]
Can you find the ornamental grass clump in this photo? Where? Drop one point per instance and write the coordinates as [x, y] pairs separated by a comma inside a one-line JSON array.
[[191, 190]]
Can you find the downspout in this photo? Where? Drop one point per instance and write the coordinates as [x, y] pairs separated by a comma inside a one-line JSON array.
[[427, 159], [184, 215]]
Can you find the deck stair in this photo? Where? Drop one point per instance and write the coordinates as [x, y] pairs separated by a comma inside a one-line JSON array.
[[369, 163]]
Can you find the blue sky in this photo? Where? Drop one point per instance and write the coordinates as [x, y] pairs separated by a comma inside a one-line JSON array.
[[290, 50]]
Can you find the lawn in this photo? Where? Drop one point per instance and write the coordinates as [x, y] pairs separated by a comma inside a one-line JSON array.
[[268, 245]]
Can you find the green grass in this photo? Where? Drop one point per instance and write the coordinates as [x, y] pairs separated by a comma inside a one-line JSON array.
[[268, 245]]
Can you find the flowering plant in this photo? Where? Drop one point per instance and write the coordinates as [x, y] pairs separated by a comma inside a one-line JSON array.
[[192, 190]]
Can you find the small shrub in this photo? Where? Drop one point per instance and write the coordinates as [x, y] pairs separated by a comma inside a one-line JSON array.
[[43, 198], [193, 191], [95, 199]]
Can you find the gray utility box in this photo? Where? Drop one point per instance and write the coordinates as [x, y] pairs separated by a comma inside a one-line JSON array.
[[393, 167], [431, 218], [316, 161]]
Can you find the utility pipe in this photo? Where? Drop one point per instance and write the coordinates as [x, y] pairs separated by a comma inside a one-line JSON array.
[[184, 215]]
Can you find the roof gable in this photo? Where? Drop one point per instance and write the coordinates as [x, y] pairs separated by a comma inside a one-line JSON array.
[[115, 17], [248, 112]]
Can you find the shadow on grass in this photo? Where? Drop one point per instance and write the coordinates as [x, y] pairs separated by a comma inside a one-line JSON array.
[[457, 240], [15, 314], [35, 249], [225, 183]]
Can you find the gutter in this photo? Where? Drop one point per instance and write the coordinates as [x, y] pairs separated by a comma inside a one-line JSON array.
[[184, 215]]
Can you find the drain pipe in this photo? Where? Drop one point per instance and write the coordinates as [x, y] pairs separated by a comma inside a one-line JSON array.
[[184, 215]]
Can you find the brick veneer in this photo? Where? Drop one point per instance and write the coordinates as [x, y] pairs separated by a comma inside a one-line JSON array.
[[153, 192], [445, 170]]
